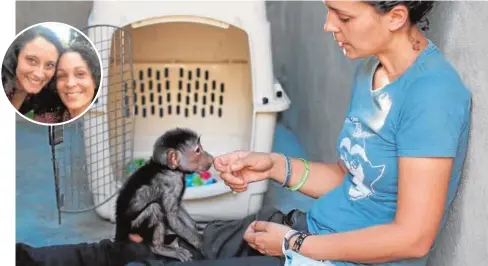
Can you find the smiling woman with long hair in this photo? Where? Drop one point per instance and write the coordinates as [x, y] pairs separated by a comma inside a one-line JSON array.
[[28, 69]]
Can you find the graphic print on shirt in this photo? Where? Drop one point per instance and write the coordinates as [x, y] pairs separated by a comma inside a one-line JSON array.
[[354, 155]]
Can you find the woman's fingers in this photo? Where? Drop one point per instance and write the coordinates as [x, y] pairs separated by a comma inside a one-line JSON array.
[[262, 251], [250, 239], [232, 179], [220, 164], [223, 162], [236, 188], [260, 226]]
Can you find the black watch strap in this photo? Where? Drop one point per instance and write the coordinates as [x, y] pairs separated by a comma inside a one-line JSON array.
[[299, 241]]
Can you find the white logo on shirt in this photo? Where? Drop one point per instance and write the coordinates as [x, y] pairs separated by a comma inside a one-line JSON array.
[[354, 156]]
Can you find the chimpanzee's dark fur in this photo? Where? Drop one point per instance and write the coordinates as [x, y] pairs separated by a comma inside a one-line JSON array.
[[149, 204]]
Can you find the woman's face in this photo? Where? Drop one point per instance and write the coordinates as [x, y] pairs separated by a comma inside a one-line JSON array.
[[359, 30], [36, 65], [75, 84]]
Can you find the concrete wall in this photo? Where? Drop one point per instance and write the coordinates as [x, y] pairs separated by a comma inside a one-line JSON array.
[[314, 73], [317, 76], [74, 13], [457, 28]]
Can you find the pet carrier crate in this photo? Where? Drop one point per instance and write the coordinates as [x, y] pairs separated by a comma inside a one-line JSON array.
[[202, 65]]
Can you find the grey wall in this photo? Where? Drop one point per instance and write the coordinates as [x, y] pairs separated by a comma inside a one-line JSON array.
[[316, 75], [74, 13], [457, 28], [313, 71]]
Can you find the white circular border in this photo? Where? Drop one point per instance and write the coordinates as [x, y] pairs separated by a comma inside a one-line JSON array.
[[99, 86]]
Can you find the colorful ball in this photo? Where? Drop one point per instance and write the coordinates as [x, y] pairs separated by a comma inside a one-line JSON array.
[[211, 181], [205, 175], [197, 180]]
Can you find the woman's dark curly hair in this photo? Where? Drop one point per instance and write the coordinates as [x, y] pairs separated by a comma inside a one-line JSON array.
[[89, 55], [42, 101], [417, 10]]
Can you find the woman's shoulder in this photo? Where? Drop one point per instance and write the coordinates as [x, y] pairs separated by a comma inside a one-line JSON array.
[[436, 75], [442, 82]]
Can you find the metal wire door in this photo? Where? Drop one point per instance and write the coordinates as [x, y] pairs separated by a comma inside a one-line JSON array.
[[91, 154]]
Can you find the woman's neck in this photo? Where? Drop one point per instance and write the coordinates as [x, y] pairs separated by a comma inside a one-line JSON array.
[[75, 112], [402, 52]]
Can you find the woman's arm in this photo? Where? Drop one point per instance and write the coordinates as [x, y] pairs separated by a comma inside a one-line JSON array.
[[423, 185], [322, 177]]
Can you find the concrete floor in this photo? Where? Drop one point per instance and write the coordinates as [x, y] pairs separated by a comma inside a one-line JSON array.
[[36, 213]]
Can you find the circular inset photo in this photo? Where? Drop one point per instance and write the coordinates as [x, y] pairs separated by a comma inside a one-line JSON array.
[[51, 73]]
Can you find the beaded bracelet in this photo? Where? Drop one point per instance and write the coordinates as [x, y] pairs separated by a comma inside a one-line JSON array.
[[304, 177], [288, 171]]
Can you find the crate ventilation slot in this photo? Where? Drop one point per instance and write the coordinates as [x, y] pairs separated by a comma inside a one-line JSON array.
[[177, 91]]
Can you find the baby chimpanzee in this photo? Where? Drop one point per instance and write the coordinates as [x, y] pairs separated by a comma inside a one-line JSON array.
[[149, 203]]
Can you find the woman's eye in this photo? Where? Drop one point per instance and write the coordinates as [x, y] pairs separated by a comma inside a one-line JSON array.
[[31, 60], [80, 74], [344, 19]]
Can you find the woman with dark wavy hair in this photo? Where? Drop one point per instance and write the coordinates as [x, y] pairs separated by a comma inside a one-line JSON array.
[[28, 69], [77, 81], [400, 156]]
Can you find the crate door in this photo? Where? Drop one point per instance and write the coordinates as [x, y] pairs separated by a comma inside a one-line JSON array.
[[91, 155]]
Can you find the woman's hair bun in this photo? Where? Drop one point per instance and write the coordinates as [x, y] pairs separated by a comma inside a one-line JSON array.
[[418, 10]]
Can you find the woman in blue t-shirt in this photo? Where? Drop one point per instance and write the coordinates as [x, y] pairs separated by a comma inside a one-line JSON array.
[[400, 155], [400, 151]]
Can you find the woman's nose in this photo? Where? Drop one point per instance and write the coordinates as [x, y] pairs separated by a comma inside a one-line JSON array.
[[38, 73], [329, 26], [71, 82]]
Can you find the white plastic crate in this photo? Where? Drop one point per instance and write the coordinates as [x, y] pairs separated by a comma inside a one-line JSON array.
[[202, 65]]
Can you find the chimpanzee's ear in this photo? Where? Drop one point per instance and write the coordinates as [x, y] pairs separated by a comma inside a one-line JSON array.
[[173, 158]]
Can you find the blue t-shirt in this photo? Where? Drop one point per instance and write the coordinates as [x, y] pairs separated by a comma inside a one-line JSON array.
[[423, 113]]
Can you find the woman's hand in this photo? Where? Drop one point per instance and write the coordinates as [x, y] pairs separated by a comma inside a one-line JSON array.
[[266, 237], [238, 169]]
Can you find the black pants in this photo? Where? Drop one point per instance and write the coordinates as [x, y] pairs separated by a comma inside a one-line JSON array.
[[223, 245]]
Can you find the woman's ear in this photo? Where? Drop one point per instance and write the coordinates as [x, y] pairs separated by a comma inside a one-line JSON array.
[[397, 17]]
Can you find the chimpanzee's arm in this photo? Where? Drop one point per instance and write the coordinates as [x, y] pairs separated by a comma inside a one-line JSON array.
[[144, 196]]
